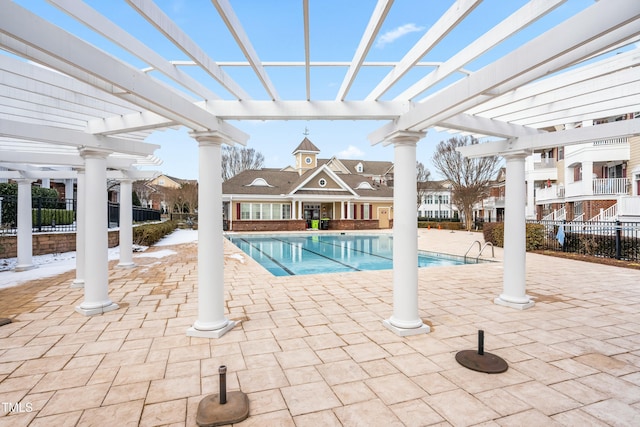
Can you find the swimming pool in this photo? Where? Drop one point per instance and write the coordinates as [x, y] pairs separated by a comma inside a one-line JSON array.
[[297, 254]]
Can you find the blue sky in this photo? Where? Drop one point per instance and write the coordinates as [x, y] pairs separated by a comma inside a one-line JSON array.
[[276, 28]]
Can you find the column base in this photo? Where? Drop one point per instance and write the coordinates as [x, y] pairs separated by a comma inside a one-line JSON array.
[[516, 305], [24, 267], [78, 283], [126, 265], [97, 310], [215, 333], [405, 332]]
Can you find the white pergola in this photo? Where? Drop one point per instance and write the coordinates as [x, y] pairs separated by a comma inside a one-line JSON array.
[[65, 102]]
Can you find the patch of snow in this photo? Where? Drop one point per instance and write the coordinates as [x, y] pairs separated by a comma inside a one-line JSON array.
[[178, 237], [54, 264], [238, 257]]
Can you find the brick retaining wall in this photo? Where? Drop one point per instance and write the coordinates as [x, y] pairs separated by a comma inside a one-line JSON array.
[[49, 243]]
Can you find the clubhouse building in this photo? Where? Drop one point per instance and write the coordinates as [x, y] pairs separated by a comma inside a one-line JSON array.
[[330, 194]]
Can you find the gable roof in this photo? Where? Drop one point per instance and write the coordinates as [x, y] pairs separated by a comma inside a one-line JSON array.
[[291, 183], [306, 146]]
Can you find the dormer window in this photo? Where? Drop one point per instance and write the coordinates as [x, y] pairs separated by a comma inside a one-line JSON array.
[[359, 168], [259, 182], [364, 185]]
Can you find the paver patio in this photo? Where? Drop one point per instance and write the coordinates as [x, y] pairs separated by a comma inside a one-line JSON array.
[[312, 350]]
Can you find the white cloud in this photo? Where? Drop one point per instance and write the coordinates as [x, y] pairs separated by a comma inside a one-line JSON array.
[[396, 33], [352, 152]]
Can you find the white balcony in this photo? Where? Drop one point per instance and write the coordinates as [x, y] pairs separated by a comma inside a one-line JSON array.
[[613, 186], [599, 187], [554, 192], [493, 202]]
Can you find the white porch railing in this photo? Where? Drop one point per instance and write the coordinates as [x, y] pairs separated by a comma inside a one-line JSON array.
[[609, 214], [611, 186], [557, 215]]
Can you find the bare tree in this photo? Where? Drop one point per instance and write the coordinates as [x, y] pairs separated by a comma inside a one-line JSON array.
[[423, 176], [470, 178], [236, 159]]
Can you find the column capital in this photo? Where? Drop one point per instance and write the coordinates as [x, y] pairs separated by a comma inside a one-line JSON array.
[[404, 137], [516, 154], [93, 153], [211, 137], [25, 180]]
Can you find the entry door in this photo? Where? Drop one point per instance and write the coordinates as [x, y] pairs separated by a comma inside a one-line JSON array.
[[383, 218]]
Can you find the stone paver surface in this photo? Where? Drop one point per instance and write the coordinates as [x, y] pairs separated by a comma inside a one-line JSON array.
[[313, 350]]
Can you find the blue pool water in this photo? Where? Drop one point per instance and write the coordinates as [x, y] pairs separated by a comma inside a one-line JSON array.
[[287, 254]]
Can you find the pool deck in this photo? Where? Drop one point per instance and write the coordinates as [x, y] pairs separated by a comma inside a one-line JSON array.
[[312, 350]]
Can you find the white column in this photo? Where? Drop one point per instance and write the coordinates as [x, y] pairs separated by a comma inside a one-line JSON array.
[[293, 210], [80, 230], [299, 209], [68, 193], [514, 279], [587, 177], [349, 210], [405, 319], [211, 322], [126, 224], [96, 286], [531, 203], [25, 225], [45, 183]]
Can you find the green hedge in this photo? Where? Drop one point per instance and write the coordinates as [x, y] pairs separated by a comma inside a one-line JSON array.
[[148, 234], [494, 233], [48, 216], [445, 225]]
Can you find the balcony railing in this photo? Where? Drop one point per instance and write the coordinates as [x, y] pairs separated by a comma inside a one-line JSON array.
[[545, 164], [549, 193], [611, 186]]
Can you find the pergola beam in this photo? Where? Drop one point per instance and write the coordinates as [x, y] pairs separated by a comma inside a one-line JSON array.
[[307, 110], [481, 125], [590, 31], [436, 32], [156, 17], [71, 55], [524, 16], [370, 33], [91, 18], [233, 24], [61, 136], [553, 139]]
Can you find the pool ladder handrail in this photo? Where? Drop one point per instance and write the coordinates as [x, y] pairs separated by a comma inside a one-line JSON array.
[[480, 249]]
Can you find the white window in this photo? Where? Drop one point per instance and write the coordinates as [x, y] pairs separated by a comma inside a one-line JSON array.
[[307, 160], [322, 182], [365, 211]]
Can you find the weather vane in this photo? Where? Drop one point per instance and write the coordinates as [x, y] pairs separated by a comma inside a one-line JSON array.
[[306, 131]]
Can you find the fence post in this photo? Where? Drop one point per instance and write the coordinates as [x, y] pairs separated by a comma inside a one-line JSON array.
[[39, 213], [618, 239]]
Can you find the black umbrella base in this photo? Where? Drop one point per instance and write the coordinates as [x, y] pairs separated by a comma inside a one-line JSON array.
[[485, 362]]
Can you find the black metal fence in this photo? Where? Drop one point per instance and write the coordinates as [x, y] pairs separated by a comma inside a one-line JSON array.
[[47, 214], [139, 214], [52, 214], [607, 239]]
